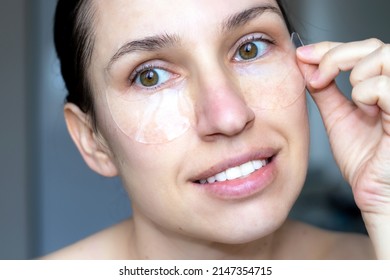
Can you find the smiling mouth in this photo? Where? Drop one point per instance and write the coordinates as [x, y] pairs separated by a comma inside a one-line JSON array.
[[237, 172]]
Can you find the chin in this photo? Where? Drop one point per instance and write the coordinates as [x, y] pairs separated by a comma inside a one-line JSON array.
[[254, 225]]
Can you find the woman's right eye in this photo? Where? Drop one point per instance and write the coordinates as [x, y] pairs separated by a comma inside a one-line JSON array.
[[151, 77]]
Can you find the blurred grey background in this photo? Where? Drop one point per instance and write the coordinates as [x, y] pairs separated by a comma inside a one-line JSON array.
[[48, 196]]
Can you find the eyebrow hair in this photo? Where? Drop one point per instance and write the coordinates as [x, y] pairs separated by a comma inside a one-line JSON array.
[[148, 44], [245, 16], [157, 42]]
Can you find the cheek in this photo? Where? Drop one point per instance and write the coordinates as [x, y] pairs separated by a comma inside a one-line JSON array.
[[276, 93], [271, 86], [295, 128], [292, 122], [289, 129], [151, 176], [149, 172]]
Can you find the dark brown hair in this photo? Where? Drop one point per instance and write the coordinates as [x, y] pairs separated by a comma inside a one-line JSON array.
[[74, 40]]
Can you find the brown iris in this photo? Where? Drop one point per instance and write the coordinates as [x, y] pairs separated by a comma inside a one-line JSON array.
[[149, 78], [248, 51]]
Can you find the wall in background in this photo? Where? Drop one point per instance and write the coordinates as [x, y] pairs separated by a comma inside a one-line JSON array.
[[13, 132]]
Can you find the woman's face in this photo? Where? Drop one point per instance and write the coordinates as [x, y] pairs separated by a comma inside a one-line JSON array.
[[219, 160]]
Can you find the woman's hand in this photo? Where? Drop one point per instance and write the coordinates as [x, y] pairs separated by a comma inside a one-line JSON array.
[[359, 130]]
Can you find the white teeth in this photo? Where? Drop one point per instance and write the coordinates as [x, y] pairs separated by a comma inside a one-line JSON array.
[[236, 172], [233, 173], [257, 164], [247, 168], [221, 177], [211, 180]]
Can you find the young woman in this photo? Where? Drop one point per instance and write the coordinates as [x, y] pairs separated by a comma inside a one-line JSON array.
[[199, 107]]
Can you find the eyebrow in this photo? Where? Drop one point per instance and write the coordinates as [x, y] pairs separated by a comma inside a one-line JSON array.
[[158, 42], [245, 16], [148, 44]]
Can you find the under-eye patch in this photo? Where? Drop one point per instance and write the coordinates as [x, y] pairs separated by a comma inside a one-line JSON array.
[[272, 82]]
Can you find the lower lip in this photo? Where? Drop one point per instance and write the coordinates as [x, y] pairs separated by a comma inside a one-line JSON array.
[[242, 187]]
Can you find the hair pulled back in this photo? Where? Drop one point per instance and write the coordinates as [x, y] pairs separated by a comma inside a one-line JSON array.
[[74, 43]]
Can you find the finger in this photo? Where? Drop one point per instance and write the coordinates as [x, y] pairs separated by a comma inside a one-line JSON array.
[[312, 54], [332, 104], [335, 57], [373, 96], [309, 57], [328, 99], [375, 64]]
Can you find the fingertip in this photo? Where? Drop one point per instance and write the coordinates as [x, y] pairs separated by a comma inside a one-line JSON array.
[[315, 79], [305, 52]]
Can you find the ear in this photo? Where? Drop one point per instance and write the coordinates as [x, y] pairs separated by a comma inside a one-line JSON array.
[[95, 154]]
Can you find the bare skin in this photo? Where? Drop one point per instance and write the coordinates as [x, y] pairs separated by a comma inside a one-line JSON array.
[[293, 241]]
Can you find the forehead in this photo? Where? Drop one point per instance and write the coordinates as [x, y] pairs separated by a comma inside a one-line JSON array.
[[121, 20]]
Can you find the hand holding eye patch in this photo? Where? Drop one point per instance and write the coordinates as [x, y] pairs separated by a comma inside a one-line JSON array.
[[359, 130]]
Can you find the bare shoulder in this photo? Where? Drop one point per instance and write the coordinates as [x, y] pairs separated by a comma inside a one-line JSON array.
[[310, 242], [106, 244]]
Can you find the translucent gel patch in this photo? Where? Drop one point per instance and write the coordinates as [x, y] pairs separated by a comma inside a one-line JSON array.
[[296, 40], [152, 119], [269, 83], [274, 82]]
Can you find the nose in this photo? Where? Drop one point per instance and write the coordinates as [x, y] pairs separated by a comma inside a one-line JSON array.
[[221, 109]]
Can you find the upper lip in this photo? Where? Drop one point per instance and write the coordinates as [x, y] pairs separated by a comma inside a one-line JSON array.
[[233, 162]]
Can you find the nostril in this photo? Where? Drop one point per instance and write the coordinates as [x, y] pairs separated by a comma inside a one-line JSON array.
[[225, 117]]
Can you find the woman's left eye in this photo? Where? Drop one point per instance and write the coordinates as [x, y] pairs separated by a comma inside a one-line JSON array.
[[152, 77], [251, 50]]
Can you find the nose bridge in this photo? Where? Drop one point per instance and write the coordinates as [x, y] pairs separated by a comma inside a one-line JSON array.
[[220, 105], [216, 82]]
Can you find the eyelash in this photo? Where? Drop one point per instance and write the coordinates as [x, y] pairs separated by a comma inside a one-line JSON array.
[[256, 38]]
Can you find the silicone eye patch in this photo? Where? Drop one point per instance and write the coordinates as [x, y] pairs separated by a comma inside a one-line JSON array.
[[296, 40], [274, 83], [271, 83], [156, 119]]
